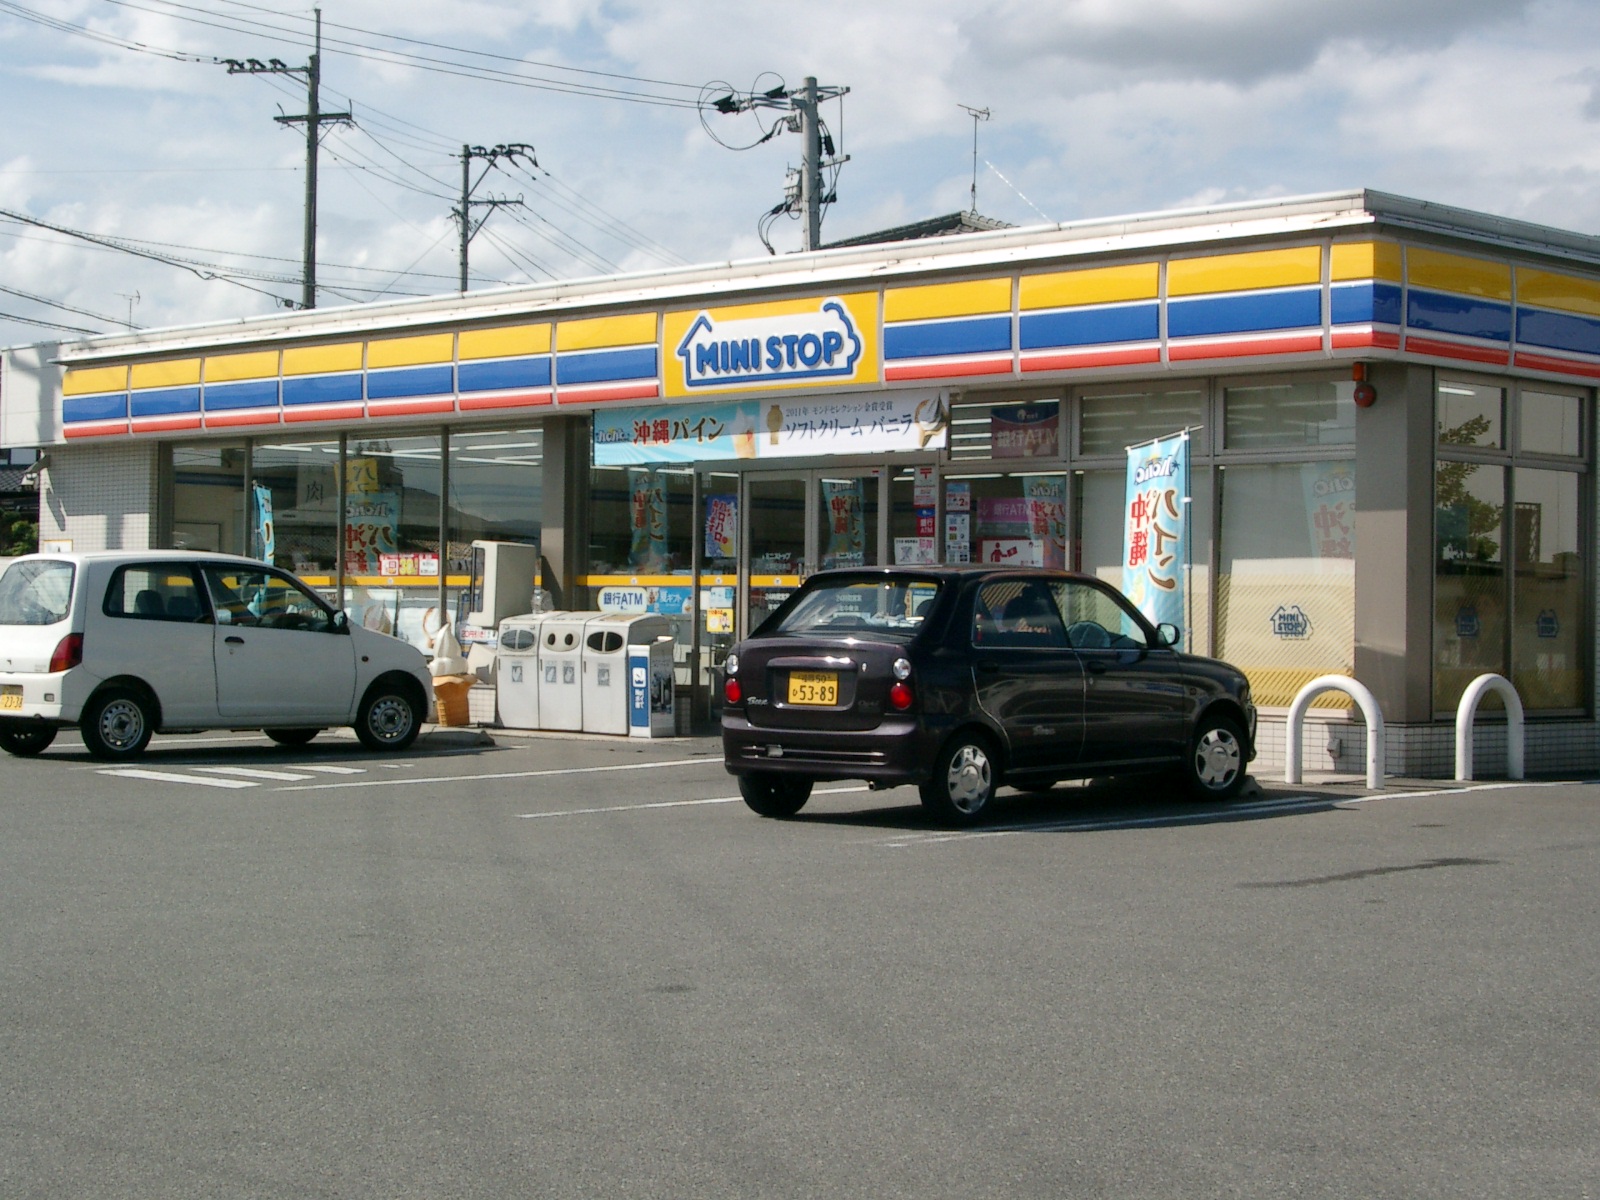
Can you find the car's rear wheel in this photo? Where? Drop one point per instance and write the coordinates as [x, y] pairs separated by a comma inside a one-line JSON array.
[[1214, 768], [774, 795], [117, 723], [291, 737], [964, 781], [25, 743], [390, 717]]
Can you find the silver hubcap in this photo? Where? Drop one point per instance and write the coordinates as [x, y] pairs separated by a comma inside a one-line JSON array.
[[390, 719], [121, 725], [1217, 758], [969, 779]]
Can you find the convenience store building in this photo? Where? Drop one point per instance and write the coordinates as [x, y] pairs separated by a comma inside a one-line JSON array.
[[695, 441]]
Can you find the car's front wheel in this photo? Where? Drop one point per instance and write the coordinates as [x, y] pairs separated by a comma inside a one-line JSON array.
[[25, 743], [1214, 769], [390, 717], [117, 724], [774, 795], [291, 737], [964, 781]]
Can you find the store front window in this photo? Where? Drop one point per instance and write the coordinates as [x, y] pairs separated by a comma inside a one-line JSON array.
[[1015, 520], [302, 479], [1286, 575], [1510, 547], [1293, 414], [208, 497], [1112, 420]]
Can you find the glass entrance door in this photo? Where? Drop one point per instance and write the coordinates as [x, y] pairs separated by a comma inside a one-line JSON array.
[[797, 522]]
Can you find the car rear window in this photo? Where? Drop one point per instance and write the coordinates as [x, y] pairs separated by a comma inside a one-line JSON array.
[[36, 591], [875, 607], [155, 592]]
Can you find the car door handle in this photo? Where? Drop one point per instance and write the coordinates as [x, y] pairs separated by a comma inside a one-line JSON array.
[[1097, 668], [234, 640]]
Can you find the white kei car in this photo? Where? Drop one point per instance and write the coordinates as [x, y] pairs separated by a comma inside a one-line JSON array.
[[121, 644]]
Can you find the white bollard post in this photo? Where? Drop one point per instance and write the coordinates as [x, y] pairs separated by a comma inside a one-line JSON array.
[[1368, 704]]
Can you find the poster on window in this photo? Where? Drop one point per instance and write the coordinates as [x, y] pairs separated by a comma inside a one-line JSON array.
[[722, 526], [1025, 430], [846, 535], [1330, 490], [1047, 516], [371, 530], [1155, 546], [647, 512]]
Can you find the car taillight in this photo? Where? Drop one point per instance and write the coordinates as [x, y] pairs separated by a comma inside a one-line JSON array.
[[732, 692], [68, 653], [900, 695]]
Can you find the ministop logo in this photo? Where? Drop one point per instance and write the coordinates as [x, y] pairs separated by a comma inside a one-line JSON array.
[[752, 350]]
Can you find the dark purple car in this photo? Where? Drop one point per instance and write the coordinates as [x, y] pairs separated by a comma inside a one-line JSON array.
[[957, 679]]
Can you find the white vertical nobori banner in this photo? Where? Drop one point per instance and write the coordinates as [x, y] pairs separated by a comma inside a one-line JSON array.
[[1155, 551]]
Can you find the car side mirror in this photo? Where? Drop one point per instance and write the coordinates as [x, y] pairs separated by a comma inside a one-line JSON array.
[[1168, 634], [341, 622]]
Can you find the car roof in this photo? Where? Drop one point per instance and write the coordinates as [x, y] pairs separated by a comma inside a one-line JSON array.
[[100, 556]]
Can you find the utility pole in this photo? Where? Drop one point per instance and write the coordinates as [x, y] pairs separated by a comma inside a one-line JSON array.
[[818, 152], [510, 151], [314, 119], [977, 114]]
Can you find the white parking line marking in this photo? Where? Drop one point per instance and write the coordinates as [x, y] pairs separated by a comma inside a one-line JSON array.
[[583, 812], [459, 779], [174, 777], [326, 769], [254, 773]]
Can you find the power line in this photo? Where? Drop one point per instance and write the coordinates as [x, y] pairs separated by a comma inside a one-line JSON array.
[[5, 316], [82, 312]]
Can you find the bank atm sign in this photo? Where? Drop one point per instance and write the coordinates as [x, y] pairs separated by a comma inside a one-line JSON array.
[[795, 343]]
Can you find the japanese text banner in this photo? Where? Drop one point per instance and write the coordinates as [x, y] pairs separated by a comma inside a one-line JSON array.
[[1155, 528]]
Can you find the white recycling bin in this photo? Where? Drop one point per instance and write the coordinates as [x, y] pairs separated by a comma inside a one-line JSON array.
[[652, 693], [607, 639], [560, 670], [516, 672]]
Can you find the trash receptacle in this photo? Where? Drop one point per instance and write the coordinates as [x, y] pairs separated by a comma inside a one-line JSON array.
[[607, 640], [560, 663], [517, 671], [652, 692]]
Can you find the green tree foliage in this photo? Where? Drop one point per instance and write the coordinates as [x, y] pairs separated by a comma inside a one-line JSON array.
[[18, 535], [1468, 529]]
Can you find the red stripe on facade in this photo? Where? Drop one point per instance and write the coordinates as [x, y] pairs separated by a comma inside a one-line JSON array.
[[1458, 350], [478, 403], [583, 393], [947, 368], [341, 412], [1363, 339], [1564, 366], [87, 429], [401, 408], [166, 424], [1061, 360], [1297, 343], [259, 416]]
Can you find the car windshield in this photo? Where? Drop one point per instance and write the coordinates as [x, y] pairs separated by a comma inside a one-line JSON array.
[[872, 607], [36, 591]]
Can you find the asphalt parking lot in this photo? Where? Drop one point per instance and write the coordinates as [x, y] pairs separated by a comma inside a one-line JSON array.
[[579, 967]]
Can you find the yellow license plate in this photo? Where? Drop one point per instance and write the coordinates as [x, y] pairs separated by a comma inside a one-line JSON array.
[[813, 687], [11, 697]]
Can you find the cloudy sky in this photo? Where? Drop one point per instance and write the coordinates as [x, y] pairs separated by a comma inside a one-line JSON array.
[[120, 123]]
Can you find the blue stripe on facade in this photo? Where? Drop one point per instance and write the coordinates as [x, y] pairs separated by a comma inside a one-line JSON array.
[[1091, 326], [321, 389], [969, 335], [410, 381], [1558, 331], [1254, 313], [1364, 303], [1460, 315], [252, 393], [163, 402], [607, 366], [504, 374], [105, 407]]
